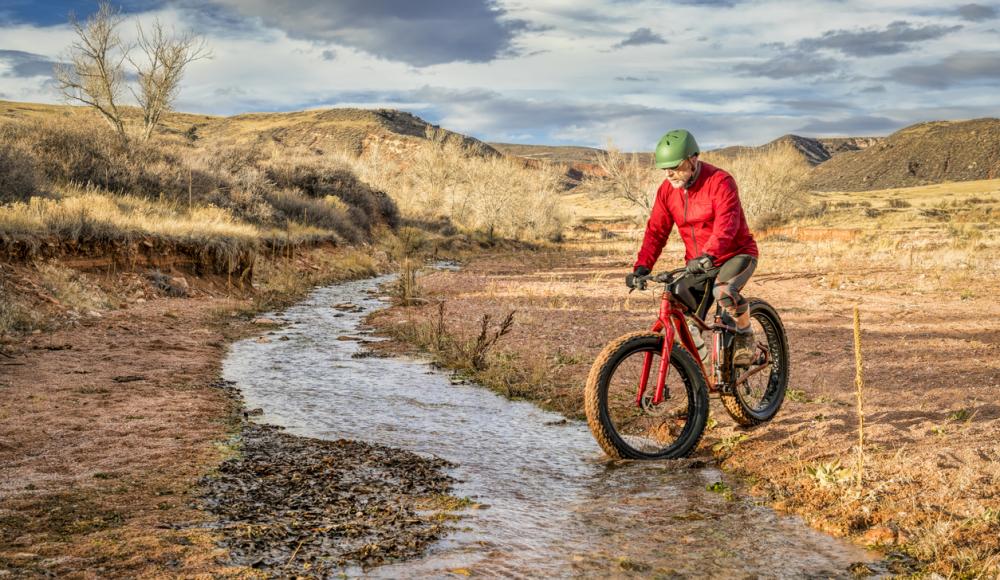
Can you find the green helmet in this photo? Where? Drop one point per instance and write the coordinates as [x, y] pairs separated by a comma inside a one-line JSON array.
[[674, 148]]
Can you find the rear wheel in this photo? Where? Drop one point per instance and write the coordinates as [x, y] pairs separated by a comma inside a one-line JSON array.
[[757, 399], [623, 428]]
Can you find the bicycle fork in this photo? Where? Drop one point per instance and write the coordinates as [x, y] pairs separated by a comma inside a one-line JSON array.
[[666, 321], [660, 391]]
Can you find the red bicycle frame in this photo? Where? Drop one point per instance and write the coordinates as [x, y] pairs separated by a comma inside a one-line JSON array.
[[671, 319]]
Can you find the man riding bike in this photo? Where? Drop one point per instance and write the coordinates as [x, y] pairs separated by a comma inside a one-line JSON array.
[[704, 203]]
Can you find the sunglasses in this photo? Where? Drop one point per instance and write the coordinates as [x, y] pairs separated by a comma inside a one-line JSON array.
[[680, 168]]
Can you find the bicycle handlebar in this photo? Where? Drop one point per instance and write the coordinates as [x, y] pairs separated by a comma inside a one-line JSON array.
[[661, 278]]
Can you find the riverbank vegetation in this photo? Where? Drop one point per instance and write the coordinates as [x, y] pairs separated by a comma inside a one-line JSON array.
[[214, 203]]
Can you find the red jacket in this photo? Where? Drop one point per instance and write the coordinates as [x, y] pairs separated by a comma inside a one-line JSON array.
[[708, 215]]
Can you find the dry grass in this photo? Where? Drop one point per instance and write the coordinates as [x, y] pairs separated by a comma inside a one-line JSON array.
[[497, 195], [210, 194], [475, 351], [771, 182], [83, 214], [104, 223], [281, 281], [628, 178], [71, 288], [16, 314]]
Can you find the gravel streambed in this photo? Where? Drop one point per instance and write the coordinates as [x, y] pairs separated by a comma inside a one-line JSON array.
[[298, 505]]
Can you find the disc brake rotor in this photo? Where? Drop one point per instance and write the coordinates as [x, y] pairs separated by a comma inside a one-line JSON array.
[[650, 408]]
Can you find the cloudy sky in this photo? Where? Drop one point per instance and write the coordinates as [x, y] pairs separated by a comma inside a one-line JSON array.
[[566, 71]]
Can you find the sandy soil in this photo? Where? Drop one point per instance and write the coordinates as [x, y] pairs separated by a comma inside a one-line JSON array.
[[105, 430], [932, 474]]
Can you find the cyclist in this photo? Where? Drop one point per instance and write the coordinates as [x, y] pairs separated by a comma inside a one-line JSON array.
[[704, 203]]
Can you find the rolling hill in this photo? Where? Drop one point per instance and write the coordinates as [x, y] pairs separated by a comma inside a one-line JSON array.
[[921, 154], [347, 129]]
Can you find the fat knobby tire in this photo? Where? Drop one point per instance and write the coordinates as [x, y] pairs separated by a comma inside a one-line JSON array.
[[737, 409], [600, 376]]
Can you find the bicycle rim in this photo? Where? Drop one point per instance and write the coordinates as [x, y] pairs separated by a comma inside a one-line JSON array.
[[648, 429], [758, 393]]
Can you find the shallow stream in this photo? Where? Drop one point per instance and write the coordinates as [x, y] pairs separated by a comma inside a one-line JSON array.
[[549, 502]]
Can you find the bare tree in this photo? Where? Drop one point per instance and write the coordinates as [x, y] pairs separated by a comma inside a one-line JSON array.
[[160, 69], [95, 75], [627, 177]]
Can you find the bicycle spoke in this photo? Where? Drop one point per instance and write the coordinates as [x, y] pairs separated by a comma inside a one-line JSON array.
[[646, 427]]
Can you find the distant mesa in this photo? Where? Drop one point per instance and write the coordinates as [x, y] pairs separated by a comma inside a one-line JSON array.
[[921, 154]]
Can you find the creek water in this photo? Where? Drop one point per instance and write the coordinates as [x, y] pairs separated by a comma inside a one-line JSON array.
[[550, 503]]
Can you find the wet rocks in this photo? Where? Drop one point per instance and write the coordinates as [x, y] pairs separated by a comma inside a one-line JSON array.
[[297, 505], [174, 286]]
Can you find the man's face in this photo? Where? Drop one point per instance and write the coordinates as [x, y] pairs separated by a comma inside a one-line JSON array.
[[680, 175]]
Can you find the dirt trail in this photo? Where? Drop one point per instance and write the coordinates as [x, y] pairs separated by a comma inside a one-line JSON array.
[[932, 376]]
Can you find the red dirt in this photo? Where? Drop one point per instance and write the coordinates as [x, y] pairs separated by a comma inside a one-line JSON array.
[[105, 430], [108, 421]]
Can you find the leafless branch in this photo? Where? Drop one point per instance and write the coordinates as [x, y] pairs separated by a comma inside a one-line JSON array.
[[487, 338], [627, 177], [165, 56], [95, 74]]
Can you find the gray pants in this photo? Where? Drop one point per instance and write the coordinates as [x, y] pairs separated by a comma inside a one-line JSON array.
[[732, 276]]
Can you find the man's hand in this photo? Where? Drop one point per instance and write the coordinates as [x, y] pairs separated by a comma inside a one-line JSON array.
[[700, 265], [632, 280]]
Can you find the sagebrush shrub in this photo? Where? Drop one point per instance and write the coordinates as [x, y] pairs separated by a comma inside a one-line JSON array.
[[266, 184], [19, 179]]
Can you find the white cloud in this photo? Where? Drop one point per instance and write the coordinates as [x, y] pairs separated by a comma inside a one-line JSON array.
[[560, 82]]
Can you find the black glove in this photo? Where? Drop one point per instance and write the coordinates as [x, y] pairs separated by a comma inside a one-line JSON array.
[[632, 280], [700, 265]]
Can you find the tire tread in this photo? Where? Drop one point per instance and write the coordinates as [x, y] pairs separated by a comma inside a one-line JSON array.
[[732, 403], [601, 366]]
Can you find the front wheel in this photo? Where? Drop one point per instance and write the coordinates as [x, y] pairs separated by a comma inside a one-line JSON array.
[[757, 399], [642, 430]]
